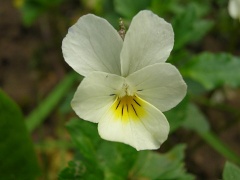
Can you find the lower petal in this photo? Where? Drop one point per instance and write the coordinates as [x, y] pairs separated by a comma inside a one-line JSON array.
[[135, 122]]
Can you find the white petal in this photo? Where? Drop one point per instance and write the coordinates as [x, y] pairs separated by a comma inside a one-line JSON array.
[[160, 84], [92, 44], [95, 95], [233, 8], [140, 125], [149, 40]]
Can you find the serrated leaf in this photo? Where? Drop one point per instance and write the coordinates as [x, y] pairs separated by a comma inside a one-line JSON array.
[[231, 171], [18, 159], [214, 70], [85, 137], [151, 165], [78, 170], [108, 159], [86, 163], [195, 120], [116, 159], [119, 161]]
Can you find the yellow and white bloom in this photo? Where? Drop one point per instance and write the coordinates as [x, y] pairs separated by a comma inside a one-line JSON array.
[[127, 84], [234, 9]]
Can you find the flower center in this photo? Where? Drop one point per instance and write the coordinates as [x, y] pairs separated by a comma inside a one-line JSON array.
[[128, 108], [125, 91]]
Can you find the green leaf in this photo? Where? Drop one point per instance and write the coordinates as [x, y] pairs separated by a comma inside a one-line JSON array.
[[78, 170], [177, 115], [18, 159], [189, 28], [85, 137], [152, 165], [30, 13], [195, 120], [173, 7], [231, 171], [128, 9], [32, 9], [118, 161], [194, 88], [107, 159], [162, 7], [214, 70]]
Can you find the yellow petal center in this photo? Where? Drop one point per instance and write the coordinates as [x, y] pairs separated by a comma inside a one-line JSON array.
[[128, 108]]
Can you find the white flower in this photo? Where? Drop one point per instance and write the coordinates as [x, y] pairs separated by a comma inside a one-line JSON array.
[[234, 9], [127, 85]]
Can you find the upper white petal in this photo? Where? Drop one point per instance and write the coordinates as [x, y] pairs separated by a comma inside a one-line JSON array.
[[234, 8], [92, 44], [149, 40], [160, 84], [149, 131], [94, 95]]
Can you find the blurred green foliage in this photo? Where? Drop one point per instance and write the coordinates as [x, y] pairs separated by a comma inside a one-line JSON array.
[[100, 159], [195, 120], [203, 71], [18, 159], [214, 70], [177, 115], [189, 27], [128, 9], [32, 9], [231, 171]]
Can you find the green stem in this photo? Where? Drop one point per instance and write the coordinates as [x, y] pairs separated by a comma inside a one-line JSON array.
[[220, 147], [38, 115], [222, 107]]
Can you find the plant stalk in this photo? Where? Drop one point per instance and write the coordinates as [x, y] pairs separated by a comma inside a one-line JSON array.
[[38, 115], [220, 147]]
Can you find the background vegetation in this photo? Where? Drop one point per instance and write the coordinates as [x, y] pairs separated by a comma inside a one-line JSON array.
[[42, 138]]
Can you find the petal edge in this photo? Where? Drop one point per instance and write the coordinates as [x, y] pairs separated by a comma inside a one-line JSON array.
[[92, 44], [149, 40], [94, 95], [160, 84]]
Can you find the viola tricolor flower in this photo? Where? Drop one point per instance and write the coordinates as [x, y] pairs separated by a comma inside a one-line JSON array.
[[127, 84], [234, 9]]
